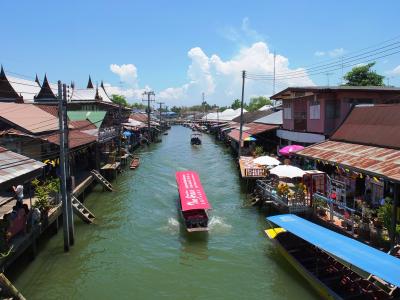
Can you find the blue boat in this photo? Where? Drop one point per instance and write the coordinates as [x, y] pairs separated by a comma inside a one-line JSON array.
[[337, 267]]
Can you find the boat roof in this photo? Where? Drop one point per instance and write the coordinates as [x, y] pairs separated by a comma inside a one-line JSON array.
[[364, 257], [191, 192]]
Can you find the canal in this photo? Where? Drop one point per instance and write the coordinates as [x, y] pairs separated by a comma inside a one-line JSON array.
[[137, 249]]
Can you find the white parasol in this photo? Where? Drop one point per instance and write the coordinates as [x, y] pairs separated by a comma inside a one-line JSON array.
[[266, 161], [287, 171]]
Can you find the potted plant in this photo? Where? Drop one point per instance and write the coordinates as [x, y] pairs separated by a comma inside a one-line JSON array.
[[43, 191], [365, 222]]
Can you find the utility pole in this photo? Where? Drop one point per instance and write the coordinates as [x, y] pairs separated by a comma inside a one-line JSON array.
[[241, 115], [149, 94], [119, 131], [273, 83], [204, 106], [67, 169], [63, 175], [160, 103]]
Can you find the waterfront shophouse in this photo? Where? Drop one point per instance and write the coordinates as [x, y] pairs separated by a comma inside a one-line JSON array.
[[312, 114], [362, 160]]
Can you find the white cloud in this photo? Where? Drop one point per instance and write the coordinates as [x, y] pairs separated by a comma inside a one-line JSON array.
[[244, 35], [395, 71], [127, 73], [221, 80], [331, 53]]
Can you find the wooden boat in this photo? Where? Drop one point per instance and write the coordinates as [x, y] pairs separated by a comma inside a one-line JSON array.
[[135, 162], [195, 138], [193, 203], [328, 260]]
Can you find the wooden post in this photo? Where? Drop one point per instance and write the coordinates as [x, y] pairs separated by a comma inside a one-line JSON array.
[[395, 204]]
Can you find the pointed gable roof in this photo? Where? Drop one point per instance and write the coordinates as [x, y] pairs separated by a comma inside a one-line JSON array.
[[7, 93], [46, 93], [37, 80], [90, 84]]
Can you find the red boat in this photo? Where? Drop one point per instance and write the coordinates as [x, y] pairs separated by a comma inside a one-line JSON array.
[[135, 162], [193, 201]]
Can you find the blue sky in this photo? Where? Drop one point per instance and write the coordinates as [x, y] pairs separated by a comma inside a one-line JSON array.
[[180, 49]]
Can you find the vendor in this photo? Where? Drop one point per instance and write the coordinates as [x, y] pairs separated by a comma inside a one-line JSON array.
[[19, 193]]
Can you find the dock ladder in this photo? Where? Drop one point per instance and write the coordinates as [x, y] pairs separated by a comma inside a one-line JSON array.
[[104, 182], [81, 211]]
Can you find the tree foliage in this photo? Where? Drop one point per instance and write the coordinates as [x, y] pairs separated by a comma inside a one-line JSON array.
[[119, 99], [363, 76], [236, 104], [257, 102]]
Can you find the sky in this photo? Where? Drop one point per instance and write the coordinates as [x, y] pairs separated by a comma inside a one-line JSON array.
[[181, 49]]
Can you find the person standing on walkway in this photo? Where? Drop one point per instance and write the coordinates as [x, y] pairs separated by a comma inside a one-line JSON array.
[[19, 193]]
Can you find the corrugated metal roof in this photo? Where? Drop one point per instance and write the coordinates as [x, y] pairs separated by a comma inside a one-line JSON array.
[[377, 125], [28, 117], [251, 116], [14, 165], [26, 88], [139, 117], [275, 118], [378, 161], [256, 128], [336, 89], [234, 134], [76, 138], [96, 117]]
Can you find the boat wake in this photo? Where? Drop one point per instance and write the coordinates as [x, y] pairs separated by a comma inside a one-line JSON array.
[[217, 224], [172, 226]]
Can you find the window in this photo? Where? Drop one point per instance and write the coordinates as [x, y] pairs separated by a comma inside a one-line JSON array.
[[315, 112], [287, 113]]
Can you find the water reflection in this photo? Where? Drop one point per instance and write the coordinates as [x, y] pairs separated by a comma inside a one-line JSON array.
[[194, 246]]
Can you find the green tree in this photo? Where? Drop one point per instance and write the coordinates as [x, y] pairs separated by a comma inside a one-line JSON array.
[[363, 76], [176, 109], [138, 105], [119, 99], [235, 104], [257, 102]]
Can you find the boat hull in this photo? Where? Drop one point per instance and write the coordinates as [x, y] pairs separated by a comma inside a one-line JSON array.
[[319, 287]]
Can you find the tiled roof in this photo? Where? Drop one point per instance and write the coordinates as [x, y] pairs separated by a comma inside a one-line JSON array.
[[14, 165]]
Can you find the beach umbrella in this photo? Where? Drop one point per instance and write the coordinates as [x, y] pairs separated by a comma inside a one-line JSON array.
[[250, 139], [287, 171], [267, 161], [290, 149]]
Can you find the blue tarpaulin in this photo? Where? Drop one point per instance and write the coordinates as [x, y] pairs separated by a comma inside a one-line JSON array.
[[364, 257], [127, 133]]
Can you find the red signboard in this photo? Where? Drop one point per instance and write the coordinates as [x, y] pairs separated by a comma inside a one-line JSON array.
[[191, 192]]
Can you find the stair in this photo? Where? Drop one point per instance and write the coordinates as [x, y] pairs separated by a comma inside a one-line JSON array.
[[102, 180], [81, 211]]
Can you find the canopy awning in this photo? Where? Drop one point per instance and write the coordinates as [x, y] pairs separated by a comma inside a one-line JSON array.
[[376, 161], [191, 192], [364, 257]]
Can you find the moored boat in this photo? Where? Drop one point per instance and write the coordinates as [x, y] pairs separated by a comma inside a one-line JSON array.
[[332, 263], [135, 162], [195, 138], [193, 203]]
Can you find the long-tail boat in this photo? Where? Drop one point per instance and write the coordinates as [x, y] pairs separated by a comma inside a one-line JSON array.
[[195, 138], [135, 162], [336, 266], [193, 201]]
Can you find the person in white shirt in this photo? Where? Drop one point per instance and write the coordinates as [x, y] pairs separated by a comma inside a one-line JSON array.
[[19, 193]]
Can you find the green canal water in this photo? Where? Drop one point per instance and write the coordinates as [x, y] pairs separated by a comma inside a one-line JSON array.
[[138, 250]]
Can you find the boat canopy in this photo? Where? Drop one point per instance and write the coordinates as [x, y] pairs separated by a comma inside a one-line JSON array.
[[191, 192], [364, 257]]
